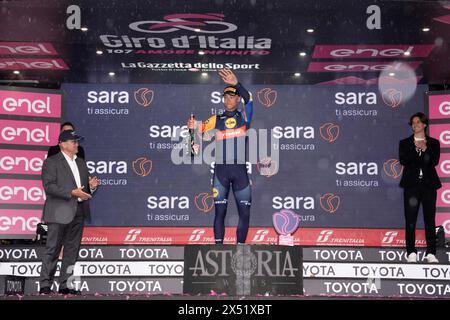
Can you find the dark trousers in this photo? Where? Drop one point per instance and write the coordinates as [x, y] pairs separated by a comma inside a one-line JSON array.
[[412, 198], [59, 235]]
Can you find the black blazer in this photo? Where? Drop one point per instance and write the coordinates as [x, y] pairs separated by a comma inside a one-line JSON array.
[[55, 150], [58, 181], [412, 163]]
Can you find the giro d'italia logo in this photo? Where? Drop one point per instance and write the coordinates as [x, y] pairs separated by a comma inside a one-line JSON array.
[[144, 96], [204, 201], [329, 132], [330, 202], [392, 98], [267, 97], [142, 166], [195, 22], [393, 168]]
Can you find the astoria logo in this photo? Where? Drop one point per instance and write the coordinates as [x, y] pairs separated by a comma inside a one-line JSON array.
[[267, 97]]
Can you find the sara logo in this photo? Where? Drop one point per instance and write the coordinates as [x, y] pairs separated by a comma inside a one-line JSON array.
[[267, 97], [267, 167], [196, 235], [230, 123], [132, 234], [144, 96], [329, 132], [204, 202], [142, 166], [392, 98], [285, 222], [389, 237], [330, 202], [211, 23], [393, 168], [324, 235]]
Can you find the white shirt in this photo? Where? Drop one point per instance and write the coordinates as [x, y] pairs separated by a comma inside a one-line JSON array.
[[74, 168]]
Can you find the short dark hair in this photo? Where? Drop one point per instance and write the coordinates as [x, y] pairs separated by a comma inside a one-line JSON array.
[[67, 123], [422, 117]]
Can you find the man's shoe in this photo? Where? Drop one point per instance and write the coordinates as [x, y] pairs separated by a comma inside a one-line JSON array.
[[46, 290], [412, 257], [69, 291], [431, 258]]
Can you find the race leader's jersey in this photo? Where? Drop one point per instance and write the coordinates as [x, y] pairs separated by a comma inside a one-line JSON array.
[[230, 130]]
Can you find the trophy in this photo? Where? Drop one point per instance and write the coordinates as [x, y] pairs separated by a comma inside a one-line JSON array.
[[285, 223]]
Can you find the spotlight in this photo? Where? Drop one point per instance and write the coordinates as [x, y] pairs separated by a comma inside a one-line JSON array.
[[112, 74]]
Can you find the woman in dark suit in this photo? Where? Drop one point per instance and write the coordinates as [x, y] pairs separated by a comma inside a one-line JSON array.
[[419, 154]]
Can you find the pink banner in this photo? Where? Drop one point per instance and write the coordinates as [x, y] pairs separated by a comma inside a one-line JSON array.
[[27, 48], [32, 64], [29, 132], [443, 196], [30, 104], [21, 161], [443, 169], [442, 133], [13, 191], [19, 221], [439, 106], [361, 66], [372, 51], [262, 235]]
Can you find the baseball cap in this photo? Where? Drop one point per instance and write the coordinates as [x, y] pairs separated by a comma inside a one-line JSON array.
[[231, 90], [69, 135]]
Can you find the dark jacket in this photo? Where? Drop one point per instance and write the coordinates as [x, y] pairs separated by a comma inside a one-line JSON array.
[[413, 162], [58, 181]]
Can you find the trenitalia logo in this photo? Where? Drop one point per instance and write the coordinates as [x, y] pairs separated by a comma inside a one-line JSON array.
[[267, 97], [32, 64], [324, 236], [19, 221], [260, 235], [439, 106], [212, 23], [144, 96], [132, 235], [392, 98], [142, 166], [30, 104], [329, 132], [27, 48], [372, 51], [267, 167], [21, 161], [14, 191], [330, 202], [204, 202], [29, 132], [196, 235], [389, 237], [393, 168]]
